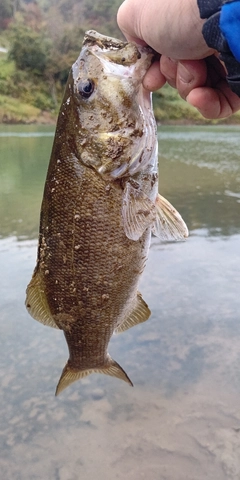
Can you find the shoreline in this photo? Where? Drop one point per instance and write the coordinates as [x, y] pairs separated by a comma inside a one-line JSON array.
[[181, 122], [29, 115], [169, 109]]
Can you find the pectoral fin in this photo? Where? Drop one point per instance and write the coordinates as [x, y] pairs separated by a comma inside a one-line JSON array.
[[169, 224], [138, 212], [71, 375], [36, 302], [138, 315]]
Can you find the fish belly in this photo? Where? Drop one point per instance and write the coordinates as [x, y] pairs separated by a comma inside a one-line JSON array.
[[89, 269]]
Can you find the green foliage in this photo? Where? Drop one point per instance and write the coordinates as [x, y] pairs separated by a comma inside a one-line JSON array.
[[168, 105], [29, 49], [7, 70], [12, 110], [63, 52], [44, 39], [105, 8], [43, 101], [66, 8], [6, 9]]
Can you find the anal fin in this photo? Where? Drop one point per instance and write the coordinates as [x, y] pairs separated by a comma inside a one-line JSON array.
[[36, 302], [138, 315], [71, 374]]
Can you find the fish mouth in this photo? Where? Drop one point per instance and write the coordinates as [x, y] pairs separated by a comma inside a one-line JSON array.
[[114, 54], [92, 37]]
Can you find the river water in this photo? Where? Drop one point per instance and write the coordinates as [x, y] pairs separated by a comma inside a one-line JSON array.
[[181, 421]]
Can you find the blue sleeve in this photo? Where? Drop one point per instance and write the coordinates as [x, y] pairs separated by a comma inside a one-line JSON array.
[[230, 26], [221, 32]]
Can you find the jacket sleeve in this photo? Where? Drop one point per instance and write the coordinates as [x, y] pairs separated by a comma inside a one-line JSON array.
[[221, 32]]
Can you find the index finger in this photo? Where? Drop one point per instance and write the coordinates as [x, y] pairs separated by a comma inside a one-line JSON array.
[[128, 21]]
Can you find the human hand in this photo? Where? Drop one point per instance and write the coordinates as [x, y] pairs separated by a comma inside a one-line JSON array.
[[174, 30]]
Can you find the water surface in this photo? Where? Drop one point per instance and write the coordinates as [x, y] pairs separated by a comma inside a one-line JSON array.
[[181, 421]]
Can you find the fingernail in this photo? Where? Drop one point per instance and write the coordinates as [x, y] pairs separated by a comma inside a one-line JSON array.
[[184, 74]]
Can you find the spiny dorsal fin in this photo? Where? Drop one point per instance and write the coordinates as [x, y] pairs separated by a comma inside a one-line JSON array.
[[138, 315], [36, 302], [71, 375], [169, 224], [138, 212]]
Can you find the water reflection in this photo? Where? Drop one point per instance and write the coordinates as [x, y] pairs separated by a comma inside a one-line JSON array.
[[200, 172], [181, 420], [24, 154]]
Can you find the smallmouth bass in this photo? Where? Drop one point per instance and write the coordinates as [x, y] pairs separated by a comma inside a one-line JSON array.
[[99, 207]]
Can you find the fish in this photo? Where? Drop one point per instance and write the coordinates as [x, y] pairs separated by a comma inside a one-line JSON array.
[[100, 205]]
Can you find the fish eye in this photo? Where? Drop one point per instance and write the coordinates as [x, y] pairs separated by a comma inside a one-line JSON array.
[[85, 88]]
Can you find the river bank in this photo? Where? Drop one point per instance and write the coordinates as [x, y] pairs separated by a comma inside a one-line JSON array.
[[169, 109]]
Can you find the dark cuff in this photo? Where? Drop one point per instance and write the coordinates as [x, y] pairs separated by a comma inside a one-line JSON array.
[[214, 38]]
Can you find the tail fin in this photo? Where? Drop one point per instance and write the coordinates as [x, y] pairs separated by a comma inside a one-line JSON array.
[[70, 374]]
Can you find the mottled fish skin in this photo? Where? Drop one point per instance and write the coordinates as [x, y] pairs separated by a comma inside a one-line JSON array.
[[98, 206]]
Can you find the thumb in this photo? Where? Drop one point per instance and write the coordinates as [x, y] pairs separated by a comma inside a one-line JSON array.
[[190, 74]]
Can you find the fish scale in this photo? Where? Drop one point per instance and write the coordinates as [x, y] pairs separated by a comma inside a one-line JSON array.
[[99, 206]]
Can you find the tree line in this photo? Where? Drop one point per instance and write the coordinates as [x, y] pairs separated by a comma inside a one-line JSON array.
[[44, 38]]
